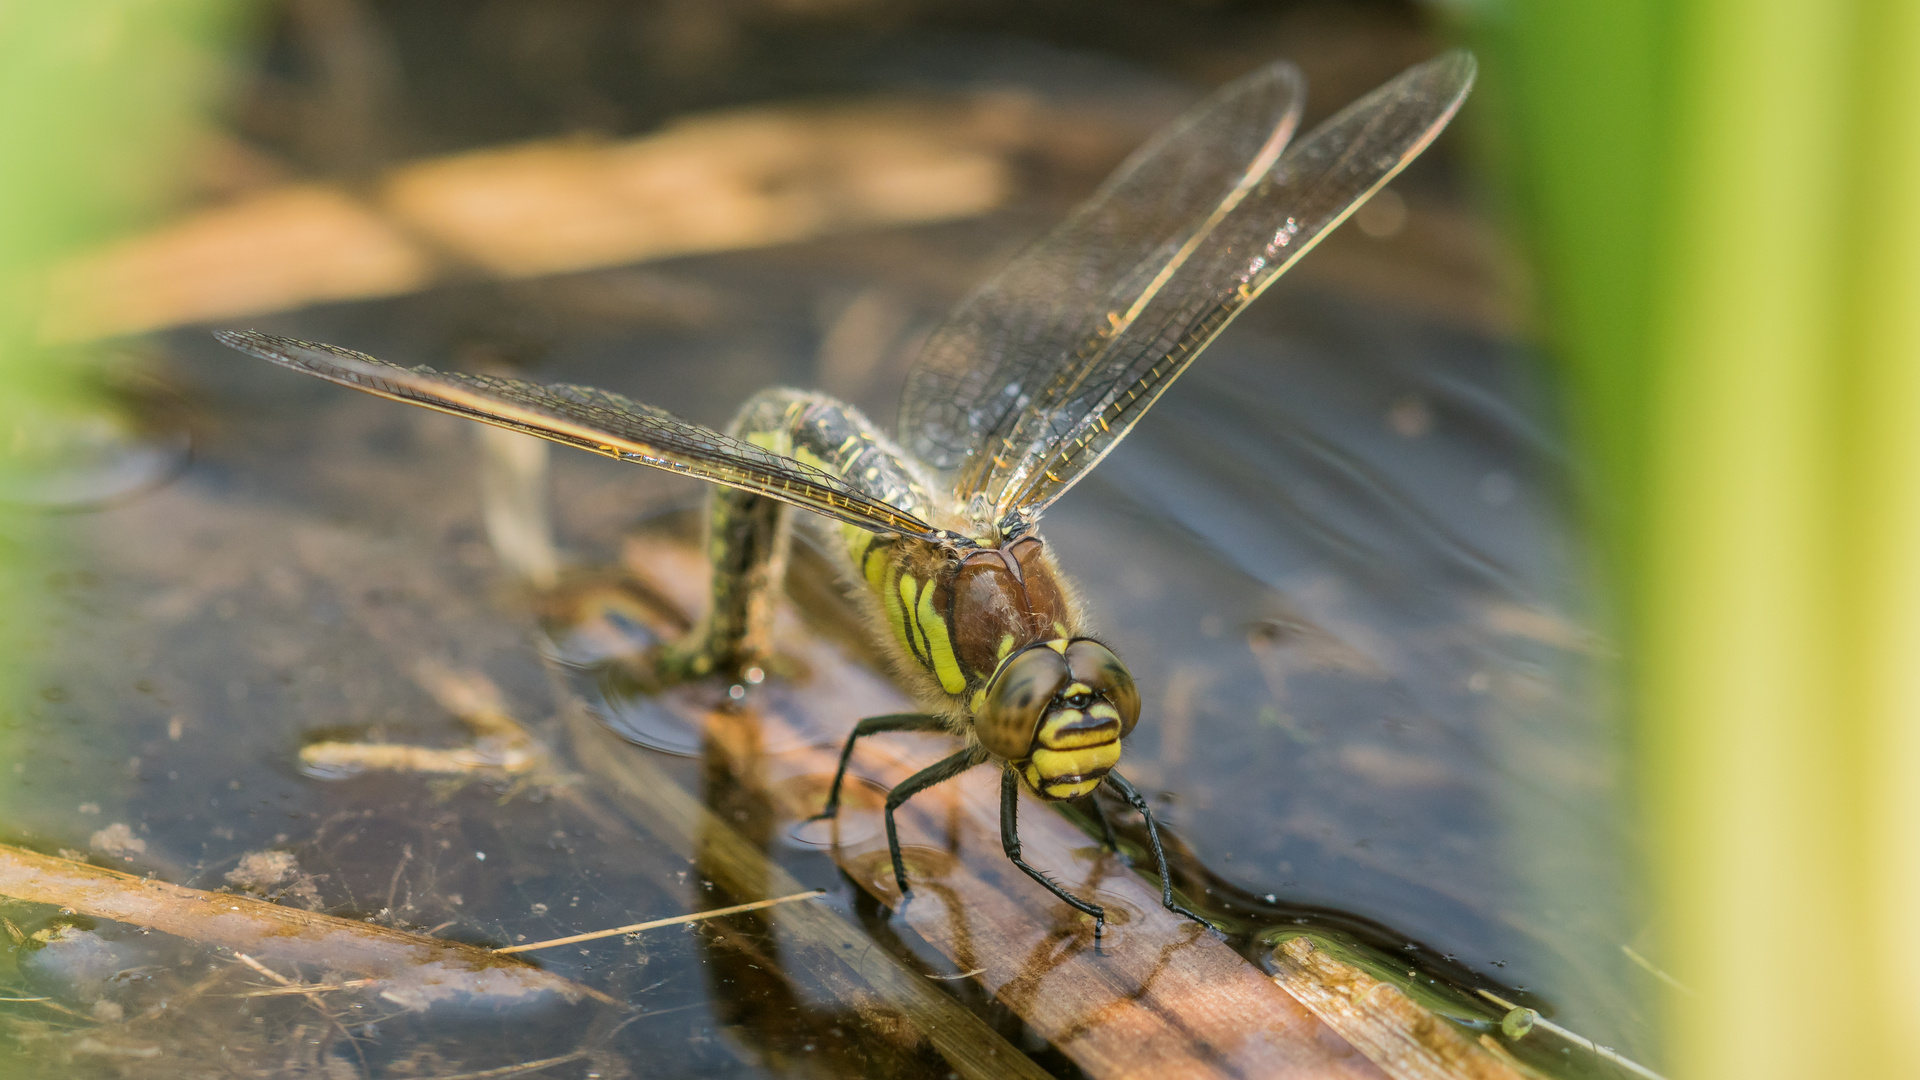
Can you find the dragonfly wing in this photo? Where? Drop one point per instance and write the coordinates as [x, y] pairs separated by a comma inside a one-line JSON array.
[[596, 420], [1010, 347], [1313, 187]]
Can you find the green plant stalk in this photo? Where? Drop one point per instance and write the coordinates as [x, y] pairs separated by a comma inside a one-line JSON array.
[[1576, 95], [98, 103], [1879, 486], [1734, 650], [1724, 200]]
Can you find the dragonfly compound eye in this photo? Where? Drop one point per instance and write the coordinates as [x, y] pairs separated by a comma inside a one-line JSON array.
[[1094, 665], [1018, 695]]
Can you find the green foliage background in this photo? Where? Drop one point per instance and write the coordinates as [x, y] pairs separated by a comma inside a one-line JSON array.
[[1723, 197]]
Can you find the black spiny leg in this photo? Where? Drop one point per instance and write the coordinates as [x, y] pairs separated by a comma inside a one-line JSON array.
[[1134, 800], [945, 769], [873, 725], [1010, 842]]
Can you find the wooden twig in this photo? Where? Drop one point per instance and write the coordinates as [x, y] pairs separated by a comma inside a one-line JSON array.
[[293, 989], [499, 746], [409, 970], [769, 176], [263, 969], [1606, 1053], [1393, 1030], [517, 1070], [657, 923]]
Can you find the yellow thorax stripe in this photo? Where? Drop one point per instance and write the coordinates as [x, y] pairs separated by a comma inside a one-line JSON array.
[[871, 557], [896, 615], [933, 631]]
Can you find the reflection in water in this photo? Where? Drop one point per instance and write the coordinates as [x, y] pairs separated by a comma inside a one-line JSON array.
[[757, 998], [97, 450], [513, 502]]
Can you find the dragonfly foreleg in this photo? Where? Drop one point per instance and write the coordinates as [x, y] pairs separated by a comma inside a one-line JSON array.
[[873, 725], [1010, 843], [945, 769], [1134, 799]]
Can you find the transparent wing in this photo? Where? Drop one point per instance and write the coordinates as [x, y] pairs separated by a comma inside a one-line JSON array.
[[1028, 328], [1093, 398], [596, 420]]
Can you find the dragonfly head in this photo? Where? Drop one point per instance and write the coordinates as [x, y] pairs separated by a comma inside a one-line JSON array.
[[1058, 709]]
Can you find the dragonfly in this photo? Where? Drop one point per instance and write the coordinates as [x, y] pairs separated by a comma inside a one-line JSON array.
[[1029, 383]]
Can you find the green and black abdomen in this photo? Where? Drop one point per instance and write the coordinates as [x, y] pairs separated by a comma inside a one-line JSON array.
[[748, 533]]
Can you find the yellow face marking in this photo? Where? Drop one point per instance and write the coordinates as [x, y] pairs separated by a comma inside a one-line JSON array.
[[1055, 789], [1060, 644], [1093, 759], [1053, 736], [1006, 646], [1070, 729], [1033, 778]]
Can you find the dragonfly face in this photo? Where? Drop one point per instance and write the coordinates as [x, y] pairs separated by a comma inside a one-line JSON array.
[[1058, 710], [1028, 385]]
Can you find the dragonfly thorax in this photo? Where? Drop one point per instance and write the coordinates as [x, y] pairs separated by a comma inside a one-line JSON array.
[[998, 631]]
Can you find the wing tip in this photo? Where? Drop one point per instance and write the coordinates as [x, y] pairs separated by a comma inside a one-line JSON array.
[[1456, 67], [1280, 71], [313, 358], [248, 341], [268, 347]]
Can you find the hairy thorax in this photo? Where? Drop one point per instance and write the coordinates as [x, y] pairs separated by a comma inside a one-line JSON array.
[[958, 614]]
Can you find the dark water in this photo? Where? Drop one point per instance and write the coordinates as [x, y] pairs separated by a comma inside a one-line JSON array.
[[1338, 556]]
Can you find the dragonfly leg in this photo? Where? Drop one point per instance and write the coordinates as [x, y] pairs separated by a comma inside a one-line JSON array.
[[747, 541], [1134, 799], [1010, 843], [945, 769], [873, 725]]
